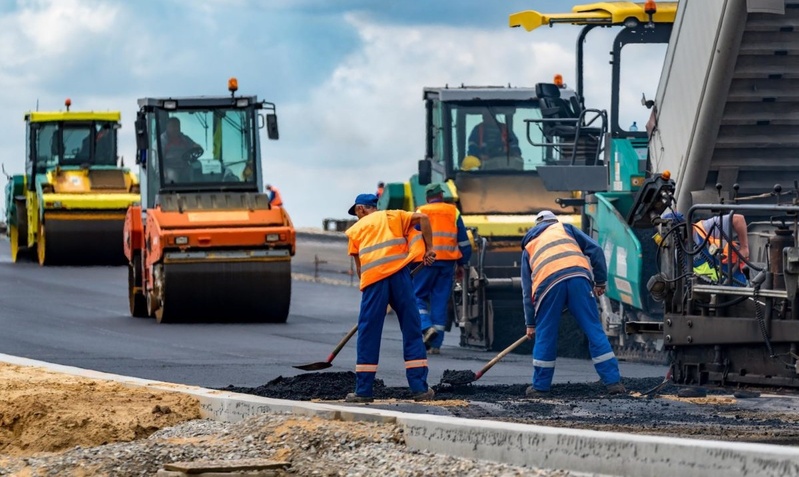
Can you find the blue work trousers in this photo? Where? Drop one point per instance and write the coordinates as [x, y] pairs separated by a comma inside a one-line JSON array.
[[433, 288], [575, 292], [397, 291]]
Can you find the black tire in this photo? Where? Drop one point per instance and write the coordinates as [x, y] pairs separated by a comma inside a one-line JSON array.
[[280, 301], [137, 302]]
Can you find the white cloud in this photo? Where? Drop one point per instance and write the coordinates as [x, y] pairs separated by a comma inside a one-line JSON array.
[[362, 124], [366, 122]]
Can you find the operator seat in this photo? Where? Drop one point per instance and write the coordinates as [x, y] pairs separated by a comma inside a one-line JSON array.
[[564, 132]]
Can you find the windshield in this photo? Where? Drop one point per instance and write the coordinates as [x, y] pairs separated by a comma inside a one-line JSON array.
[[493, 137], [206, 146], [76, 144]]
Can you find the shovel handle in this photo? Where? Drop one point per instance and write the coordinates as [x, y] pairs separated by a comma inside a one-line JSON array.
[[341, 343], [501, 355], [354, 329]]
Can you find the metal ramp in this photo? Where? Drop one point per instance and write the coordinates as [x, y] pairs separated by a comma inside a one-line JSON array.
[[727, 108]]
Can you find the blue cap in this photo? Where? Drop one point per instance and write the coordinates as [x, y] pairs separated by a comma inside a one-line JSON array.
[[364, 199]]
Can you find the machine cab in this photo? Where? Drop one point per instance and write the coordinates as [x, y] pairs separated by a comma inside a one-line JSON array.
[[479, 138], [201, 144], [60, 142]]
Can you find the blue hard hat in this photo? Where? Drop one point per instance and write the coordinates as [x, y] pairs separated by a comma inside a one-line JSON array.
[[364, 199]]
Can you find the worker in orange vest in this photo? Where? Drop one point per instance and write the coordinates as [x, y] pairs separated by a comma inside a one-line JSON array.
[[380, 187], [433, 285], [378, 242], [563, 267], [274, 196]]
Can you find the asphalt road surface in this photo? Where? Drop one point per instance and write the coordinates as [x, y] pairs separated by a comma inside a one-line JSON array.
[[78, 316]]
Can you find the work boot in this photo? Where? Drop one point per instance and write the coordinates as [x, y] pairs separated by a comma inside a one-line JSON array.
[[435, 350], [429, 335], [428, 395], [616, 388], [354, 398], [532, 392]]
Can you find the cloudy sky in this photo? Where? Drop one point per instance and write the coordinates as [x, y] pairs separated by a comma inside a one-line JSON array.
[[346, 75]]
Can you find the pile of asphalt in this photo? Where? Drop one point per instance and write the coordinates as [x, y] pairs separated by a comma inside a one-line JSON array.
[[335, 385]]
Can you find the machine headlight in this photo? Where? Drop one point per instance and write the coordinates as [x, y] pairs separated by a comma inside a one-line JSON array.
[[272, 237], [182, 240], [170, 104], [242, 103]]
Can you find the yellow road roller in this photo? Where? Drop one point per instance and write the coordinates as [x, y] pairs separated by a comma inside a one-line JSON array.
[[69, 206]]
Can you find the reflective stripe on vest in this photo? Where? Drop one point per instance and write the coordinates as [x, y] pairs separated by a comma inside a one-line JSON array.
[[552, 251], [416, 245], [699, 228], [444, 222], [380, 252]]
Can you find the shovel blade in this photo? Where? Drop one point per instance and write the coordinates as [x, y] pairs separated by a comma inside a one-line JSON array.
[[458, 378], [314, 366]]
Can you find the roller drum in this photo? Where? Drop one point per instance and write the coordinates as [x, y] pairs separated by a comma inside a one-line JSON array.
[[225, 291], [81, 242]]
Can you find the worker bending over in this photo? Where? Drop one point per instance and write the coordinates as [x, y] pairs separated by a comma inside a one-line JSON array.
[[379, 244], [715, 258], [557, 274], [433, 285]]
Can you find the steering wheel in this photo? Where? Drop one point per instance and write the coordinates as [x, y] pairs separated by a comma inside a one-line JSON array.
[[192, 154]]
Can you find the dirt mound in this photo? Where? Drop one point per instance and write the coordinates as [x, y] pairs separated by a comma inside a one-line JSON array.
[[42, 411]]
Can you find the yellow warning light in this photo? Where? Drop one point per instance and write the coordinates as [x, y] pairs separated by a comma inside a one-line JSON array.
[[650, 7], [68, 103], [666, 175], [558, 80], [232, 85]]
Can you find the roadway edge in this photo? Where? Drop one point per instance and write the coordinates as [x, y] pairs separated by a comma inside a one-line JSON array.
[[576, 450]]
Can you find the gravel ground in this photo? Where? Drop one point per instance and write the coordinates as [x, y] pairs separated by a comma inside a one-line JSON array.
[[313, 446]]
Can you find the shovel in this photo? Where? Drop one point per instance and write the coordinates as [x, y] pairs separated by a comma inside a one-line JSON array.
[[328, 363], [459, 378]]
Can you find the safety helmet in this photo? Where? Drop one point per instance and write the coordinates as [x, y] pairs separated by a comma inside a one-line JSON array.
[[470, 163]]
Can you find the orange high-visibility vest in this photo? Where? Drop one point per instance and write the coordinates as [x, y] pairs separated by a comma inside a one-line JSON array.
[[444, 222], [416, 245], [553, 250], [699, 227], [382, 249], [276, 199]]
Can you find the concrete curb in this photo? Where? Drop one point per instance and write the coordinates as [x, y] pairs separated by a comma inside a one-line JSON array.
[[576, 450]]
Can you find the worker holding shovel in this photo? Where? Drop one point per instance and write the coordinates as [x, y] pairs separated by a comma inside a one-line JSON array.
[[555, 274], [379, 244]]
